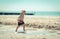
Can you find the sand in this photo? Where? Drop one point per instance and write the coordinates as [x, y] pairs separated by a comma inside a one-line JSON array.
[[36, 27], [8, 32]]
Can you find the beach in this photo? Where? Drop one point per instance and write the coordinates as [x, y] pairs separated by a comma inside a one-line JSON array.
[[37, 27]]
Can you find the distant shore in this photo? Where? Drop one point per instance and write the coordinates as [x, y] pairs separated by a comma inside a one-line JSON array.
[[9, 13]]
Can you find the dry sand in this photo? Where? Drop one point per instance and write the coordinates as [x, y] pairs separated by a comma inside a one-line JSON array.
[[36, 27]]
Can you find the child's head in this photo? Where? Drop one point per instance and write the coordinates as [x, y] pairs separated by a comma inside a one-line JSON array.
[[23, 11]]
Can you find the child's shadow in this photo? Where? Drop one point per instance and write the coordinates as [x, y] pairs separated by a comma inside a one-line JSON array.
[[21, 32]]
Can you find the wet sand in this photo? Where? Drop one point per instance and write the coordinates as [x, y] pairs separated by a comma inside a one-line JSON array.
[[8, 32]]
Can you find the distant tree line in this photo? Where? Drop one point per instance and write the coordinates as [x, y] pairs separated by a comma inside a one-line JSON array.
[[2, 13]]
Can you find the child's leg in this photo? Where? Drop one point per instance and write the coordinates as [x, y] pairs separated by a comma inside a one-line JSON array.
[[24, 27], [17, 28]]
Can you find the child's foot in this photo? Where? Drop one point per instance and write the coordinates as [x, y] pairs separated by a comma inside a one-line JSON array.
[[15, 30]]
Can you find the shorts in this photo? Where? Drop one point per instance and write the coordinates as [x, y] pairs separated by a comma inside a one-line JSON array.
[[20, 23]]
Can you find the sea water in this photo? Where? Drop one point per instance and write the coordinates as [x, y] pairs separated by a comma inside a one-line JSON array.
[[47, 13]]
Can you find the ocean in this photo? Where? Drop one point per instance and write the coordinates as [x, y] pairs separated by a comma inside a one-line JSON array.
[[47, 13]]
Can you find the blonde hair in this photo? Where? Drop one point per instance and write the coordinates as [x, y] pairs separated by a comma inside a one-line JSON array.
[[23, 11]]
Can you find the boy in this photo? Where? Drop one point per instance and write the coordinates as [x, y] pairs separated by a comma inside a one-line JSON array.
[[20, 20]]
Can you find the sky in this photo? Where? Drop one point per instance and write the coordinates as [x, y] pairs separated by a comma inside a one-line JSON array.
[[29, 5]]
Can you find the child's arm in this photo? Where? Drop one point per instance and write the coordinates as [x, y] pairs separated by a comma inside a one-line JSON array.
[[18, 19]]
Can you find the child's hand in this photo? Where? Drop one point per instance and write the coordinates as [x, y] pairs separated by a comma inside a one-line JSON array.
[[18, 19]]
